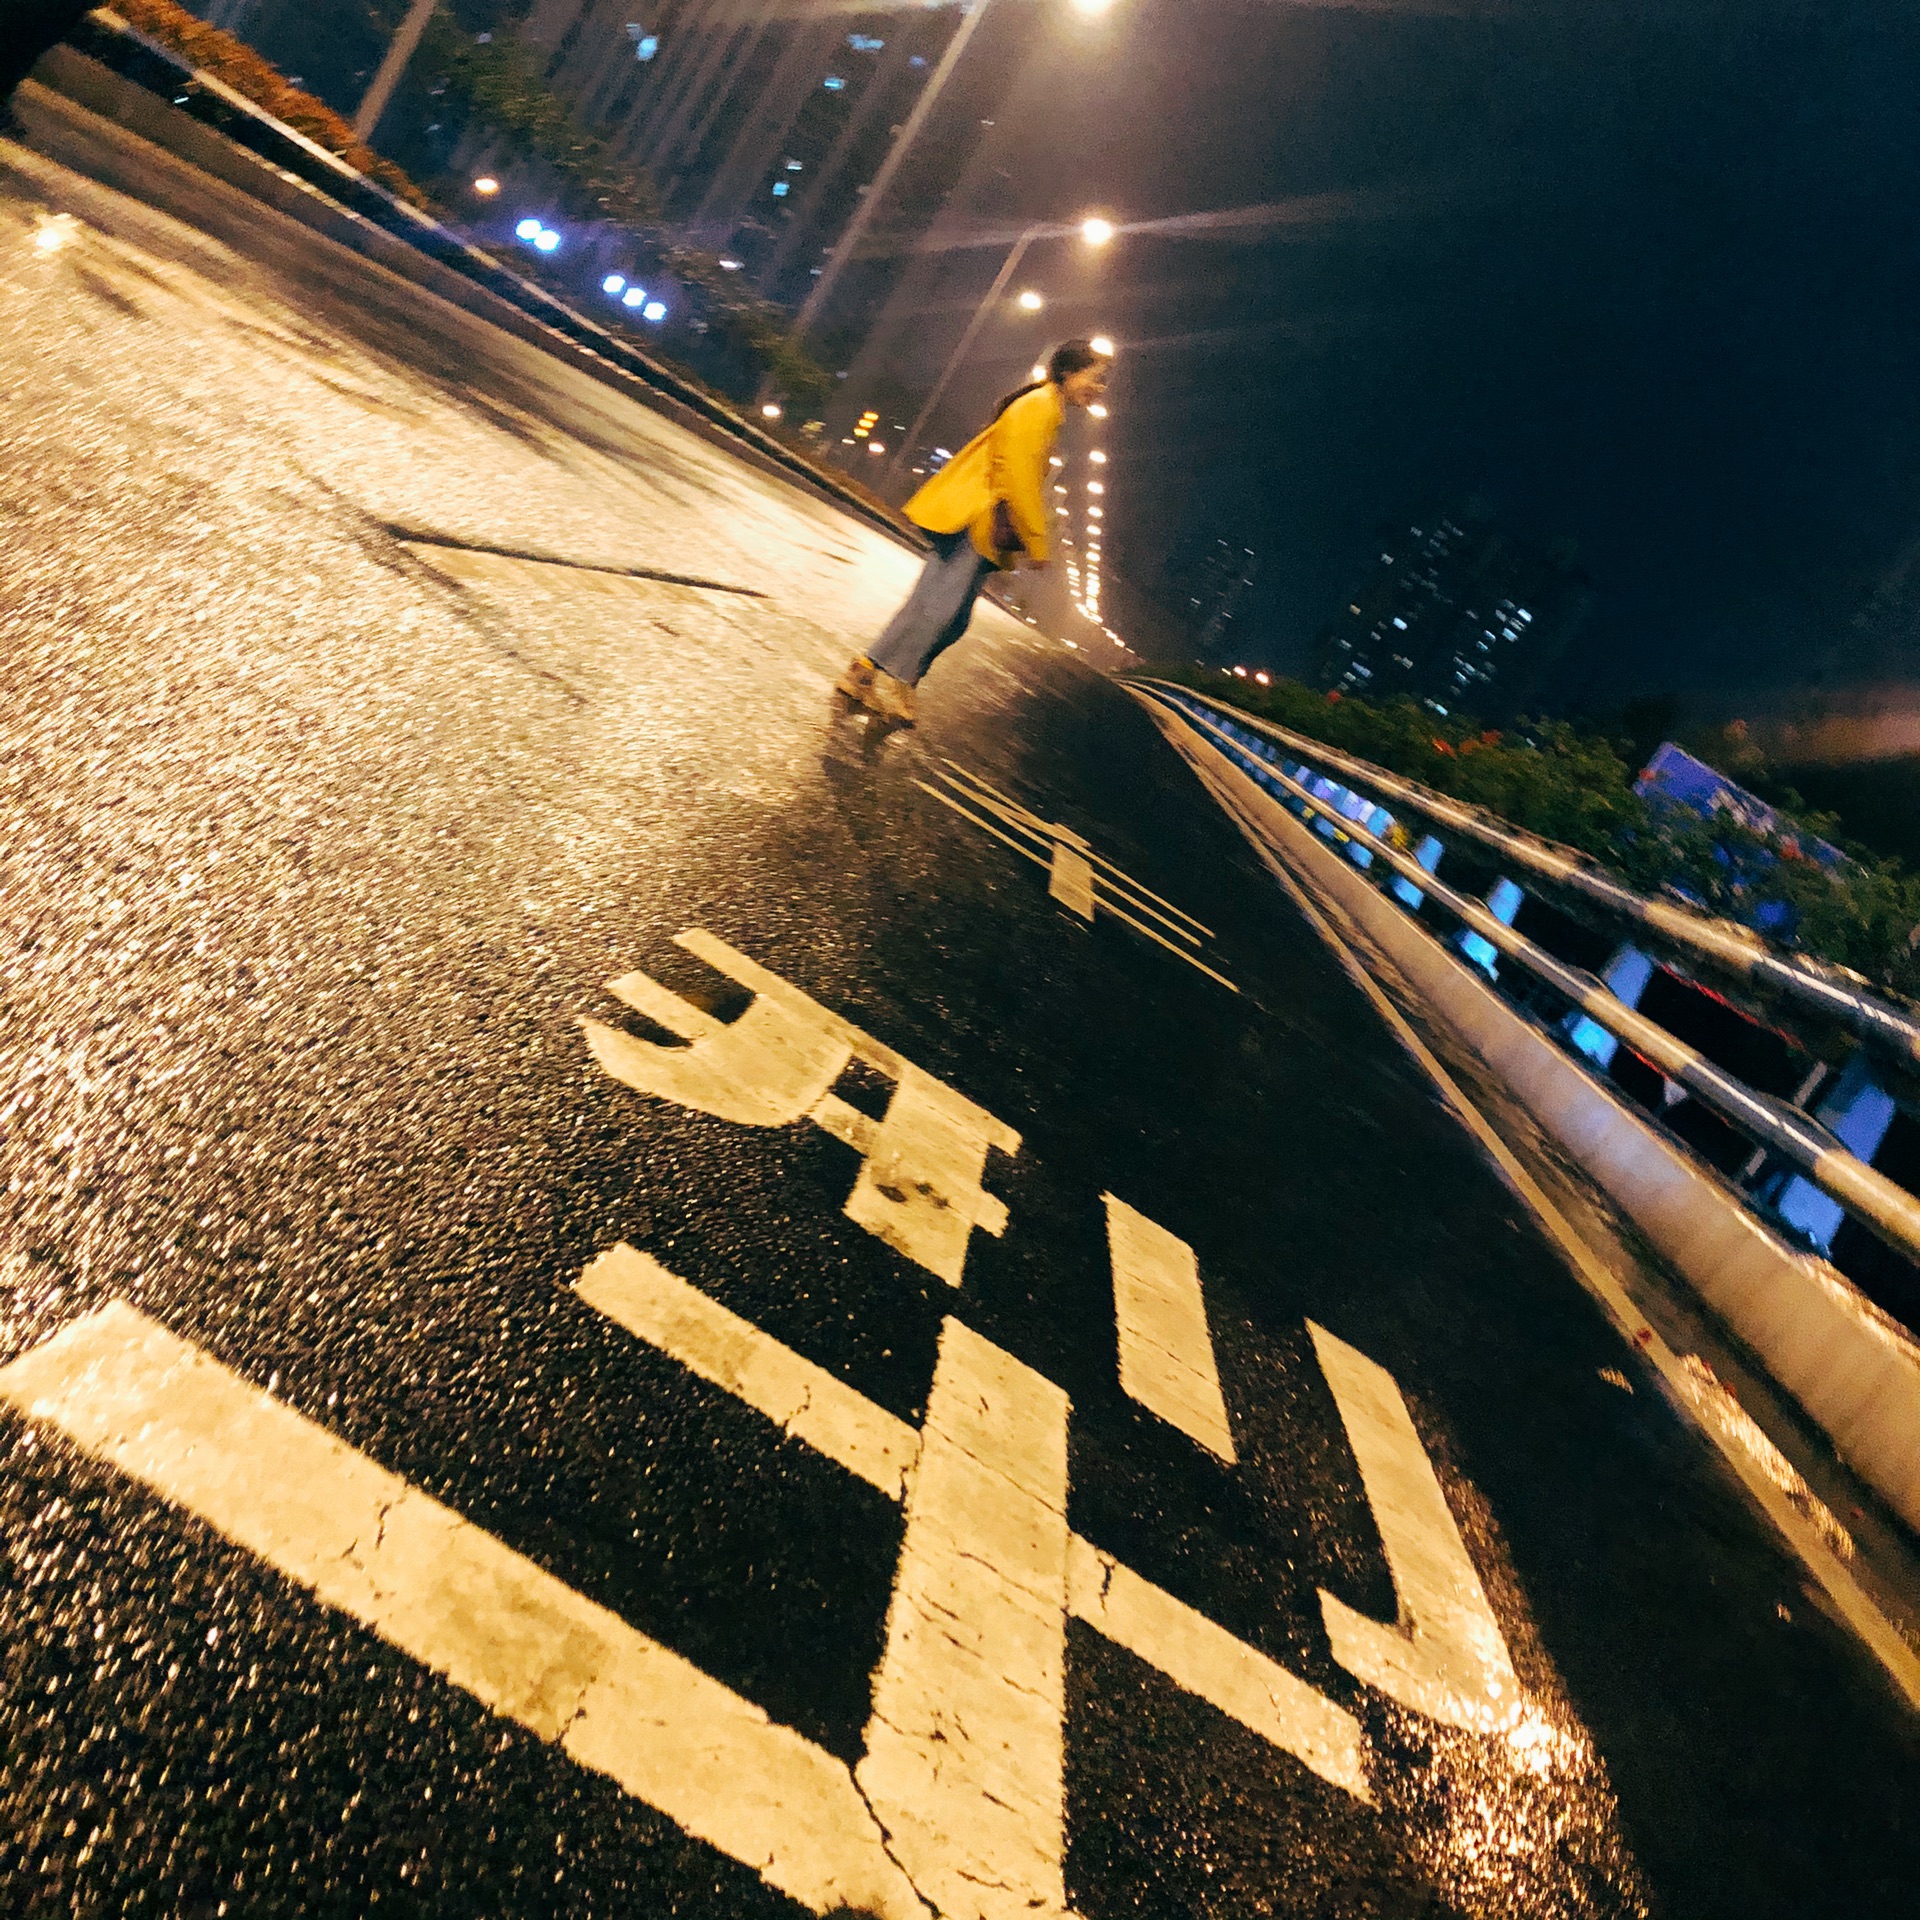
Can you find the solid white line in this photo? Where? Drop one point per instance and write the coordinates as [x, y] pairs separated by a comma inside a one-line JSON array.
[[434, 1585], [965, 1753], [1166, 1352], [1881, 1637], [1208, 1661], [636, 1292], [1446, 1656]]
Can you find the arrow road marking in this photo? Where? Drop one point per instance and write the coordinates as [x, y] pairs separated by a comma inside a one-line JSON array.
[[920, 1165], [1446, 1656], [1071, 865], [454, 1598], [1166, 1352]]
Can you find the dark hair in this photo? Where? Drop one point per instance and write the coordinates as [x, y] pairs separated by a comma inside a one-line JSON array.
[[1068, 358]]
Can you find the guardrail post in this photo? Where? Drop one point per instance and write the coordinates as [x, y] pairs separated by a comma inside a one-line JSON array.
[[1503, 902], [1857, 1113], [1428, 854], [1626, 977]]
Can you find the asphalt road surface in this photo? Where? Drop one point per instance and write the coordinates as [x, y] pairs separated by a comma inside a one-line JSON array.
[[978, 1378]]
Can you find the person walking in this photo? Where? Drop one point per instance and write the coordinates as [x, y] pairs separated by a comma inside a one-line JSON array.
[[984, 511]]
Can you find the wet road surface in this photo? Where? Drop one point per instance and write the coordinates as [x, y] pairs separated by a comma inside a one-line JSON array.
[[910, 1394]]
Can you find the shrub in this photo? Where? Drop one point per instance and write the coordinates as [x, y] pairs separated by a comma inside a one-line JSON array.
[[236, 63], [1575, 786]]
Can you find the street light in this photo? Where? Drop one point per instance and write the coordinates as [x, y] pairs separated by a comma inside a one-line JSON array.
[[1102, 346], [1031, 301], [1015, 255]]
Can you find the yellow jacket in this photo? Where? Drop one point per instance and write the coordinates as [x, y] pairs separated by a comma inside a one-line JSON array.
[[1007, 462]]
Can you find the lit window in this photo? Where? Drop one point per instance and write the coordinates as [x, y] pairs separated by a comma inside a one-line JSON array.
[[780, 189], [793, 166], [833, 83], [1398, 622]]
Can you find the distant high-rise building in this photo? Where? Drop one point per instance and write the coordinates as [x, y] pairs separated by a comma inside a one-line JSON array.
[[1215, 588], [1457, 616], [759, 125]]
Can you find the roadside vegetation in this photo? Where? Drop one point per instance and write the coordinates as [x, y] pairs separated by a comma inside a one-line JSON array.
[[1574, 785]]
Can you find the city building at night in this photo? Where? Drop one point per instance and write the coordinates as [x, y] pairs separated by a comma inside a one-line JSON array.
[[1457, 615]]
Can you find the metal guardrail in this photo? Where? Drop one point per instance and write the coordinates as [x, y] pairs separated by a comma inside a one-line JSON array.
[[142, 61], [1889, 1210], [1719, 942]]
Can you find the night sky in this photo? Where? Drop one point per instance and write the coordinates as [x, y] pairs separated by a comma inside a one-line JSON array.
[[1638, 273]]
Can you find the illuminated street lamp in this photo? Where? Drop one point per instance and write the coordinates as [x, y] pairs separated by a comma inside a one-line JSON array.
[[875, 191], [1102, 346], [1094, 231], [1031, 301]]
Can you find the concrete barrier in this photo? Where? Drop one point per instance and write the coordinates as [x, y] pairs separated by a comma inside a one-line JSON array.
[[1855, 1371]]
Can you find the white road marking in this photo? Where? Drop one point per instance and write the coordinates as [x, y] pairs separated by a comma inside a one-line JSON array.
[[1070, 864], [636, 1292], [1207, 1660], [1189, 1649], [451, 1596], [1446, 1656], [1166, 1352], [964, 1762], [921, 1164]]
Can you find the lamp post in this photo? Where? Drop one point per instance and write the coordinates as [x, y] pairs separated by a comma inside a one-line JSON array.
[[400, 50], [876, 191], [1094, 231], [869, 201]]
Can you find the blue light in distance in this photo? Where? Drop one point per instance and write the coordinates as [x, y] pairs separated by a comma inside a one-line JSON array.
[[613, 283], [634, 297], [527, 229], [781, 189], [833, 83], [546, 240], [654, 310], [646, 47]]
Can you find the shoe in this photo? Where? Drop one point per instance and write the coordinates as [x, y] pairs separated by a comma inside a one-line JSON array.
[[856, 677], [891, 699]]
